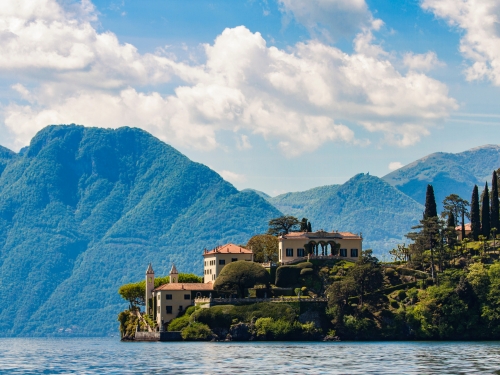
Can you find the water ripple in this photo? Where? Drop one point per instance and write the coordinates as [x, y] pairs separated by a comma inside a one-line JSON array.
[[109, 356]]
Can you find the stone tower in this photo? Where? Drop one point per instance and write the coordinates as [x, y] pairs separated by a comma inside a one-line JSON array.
[[150, 285], [174, 275]]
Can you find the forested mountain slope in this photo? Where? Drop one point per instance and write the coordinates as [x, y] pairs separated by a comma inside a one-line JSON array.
[[84, 210], [448, 173], [364, 204]]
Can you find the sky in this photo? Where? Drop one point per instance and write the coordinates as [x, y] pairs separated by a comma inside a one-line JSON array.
[[274, 95]]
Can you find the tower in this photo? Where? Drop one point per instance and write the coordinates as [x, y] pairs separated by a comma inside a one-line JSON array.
[[174, 275], [150, 285]]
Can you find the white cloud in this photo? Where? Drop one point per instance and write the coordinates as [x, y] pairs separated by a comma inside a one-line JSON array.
[[395, 165], [422, 62], [480, 42], [232, 177], [297, 99], [329, 17]]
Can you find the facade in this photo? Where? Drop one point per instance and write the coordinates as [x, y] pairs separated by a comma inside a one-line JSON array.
[[216, 259], [459, 231], [297, 245], [168, 300]]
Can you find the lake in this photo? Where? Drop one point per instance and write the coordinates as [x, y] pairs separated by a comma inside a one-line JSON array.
[[110, 356]]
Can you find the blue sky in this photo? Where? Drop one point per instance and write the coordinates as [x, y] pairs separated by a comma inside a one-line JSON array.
[[279, 96]]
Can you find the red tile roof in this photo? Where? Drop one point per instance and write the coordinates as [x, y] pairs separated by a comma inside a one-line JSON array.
[[186, 286], [467, 227], [321, 234], [228, 249]]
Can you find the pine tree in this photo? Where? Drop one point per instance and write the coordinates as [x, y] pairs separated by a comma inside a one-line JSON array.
[[485, 212], [475, 221], [495, 214], [430, 203]]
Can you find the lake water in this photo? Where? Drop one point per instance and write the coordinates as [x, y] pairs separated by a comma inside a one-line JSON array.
[[110, 356]]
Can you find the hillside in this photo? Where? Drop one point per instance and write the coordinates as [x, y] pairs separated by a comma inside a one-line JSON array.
[[364, 204], [83, 210], [448, 173]]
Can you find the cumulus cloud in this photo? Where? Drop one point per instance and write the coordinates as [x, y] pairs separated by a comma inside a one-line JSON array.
[[297, 99], [422, 62], [330, 18], [395, 165], [480, 42], [232, 177]]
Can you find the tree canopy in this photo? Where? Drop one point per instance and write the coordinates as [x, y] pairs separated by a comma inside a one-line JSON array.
[[237, 276], [264, 247], [283, 225]]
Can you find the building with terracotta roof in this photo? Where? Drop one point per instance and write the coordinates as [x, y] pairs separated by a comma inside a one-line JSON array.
[[458, 229], [216, 259], [165, 302], [296, 245]]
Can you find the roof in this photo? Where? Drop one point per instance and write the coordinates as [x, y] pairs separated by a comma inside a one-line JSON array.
[[186, 286], [467, 227], [173, 269], [321, 234], [230, 248], [150, 269]]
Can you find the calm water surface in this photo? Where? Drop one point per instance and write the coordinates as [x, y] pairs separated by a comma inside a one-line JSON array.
[[109, 356]]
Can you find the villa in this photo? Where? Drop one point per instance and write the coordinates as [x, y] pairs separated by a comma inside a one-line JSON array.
[[216, 259], [467, 228], [297, 245], [168, 300]]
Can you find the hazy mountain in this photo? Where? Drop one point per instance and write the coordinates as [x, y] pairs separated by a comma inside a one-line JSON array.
[[448, 173], [83, 210], [258, 192], [364, 204]]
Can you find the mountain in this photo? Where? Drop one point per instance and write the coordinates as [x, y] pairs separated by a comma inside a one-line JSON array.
[[447, 173], [84, 210], [258, 192], [364, 204]]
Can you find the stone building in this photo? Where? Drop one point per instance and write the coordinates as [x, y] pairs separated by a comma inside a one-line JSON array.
[[168, 300], [216, 259], [296, 245]]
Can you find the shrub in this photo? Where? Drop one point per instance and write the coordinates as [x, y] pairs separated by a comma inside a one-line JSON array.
[[390, 272], [215, 317], [401, 295], [196, 332], [287, 275], [279, 329], [394, 304], [179, 323], [306, 272], [304, 265], [237, 276]]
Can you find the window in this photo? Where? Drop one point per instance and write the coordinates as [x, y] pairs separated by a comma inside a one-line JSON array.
[[289, 252], [169, 296], [222, 262], [159, 296], [343, 252], [187, 296], [234, 259], [169, 309], [300, 252], [354, 253]]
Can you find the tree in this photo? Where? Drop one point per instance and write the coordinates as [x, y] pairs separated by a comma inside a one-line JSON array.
[[309, 227], [430, 203], [485, 212], [475, 221], [367, 277], [495, 218], [282, 225], [265, 248], [338, 295], [453, 203], [134, 293], [237, 276]]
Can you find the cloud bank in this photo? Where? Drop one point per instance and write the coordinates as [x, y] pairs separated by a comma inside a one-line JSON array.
[[298, 99]]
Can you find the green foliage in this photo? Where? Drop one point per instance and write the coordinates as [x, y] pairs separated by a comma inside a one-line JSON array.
[[196, 332], [288, 276], [85, 209], [264, 247], [128, 323], [283, 225], [475, 218], [430, 203], [237, 276], [133, 293], [279, 329]]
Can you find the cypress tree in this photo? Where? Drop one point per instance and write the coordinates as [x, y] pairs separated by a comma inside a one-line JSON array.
[[475, 221], [495, 217], [430, 203], [485, 212], [451, 221], [309, 228]]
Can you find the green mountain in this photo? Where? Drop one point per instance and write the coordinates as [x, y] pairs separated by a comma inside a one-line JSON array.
[[364, 204], [84, 210], [448, 173]]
